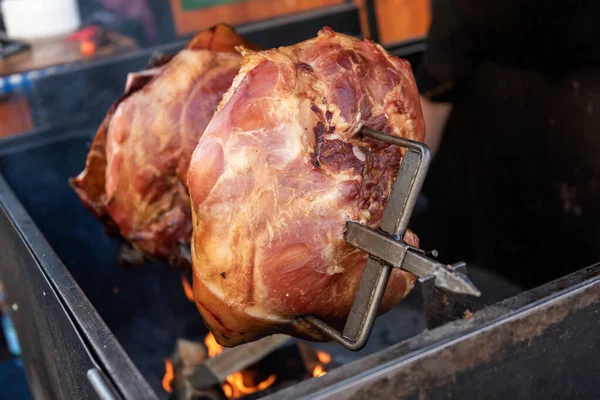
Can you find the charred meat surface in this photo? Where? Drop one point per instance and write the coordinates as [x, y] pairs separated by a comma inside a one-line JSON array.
[[280, 169], [135, 178]]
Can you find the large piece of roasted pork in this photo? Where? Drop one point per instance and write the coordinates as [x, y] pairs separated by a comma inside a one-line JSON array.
[[135, 178], [280, 169]]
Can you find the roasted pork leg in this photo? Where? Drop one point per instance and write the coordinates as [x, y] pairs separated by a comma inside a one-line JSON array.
[[135, 178], [277, 173]]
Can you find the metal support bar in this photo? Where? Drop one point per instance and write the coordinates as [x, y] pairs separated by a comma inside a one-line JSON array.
[[396, 253], [396, 215]]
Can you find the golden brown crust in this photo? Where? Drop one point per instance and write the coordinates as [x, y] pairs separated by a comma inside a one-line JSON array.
[[90, 183], [135, 174], [221, 37]]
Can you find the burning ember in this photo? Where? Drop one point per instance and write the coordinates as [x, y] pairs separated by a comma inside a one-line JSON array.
[[235, 387], [319, 369], [167, 382], [325, 358], [187, 288], [306, 361]]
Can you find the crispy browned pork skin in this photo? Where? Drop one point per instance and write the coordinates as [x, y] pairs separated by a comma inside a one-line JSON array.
[[135, 176], [279, 171]]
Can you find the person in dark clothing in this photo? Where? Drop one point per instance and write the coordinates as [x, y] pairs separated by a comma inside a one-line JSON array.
[[511, 96]]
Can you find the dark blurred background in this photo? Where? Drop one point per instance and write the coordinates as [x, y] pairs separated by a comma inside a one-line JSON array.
[[112, 28], [149, 22]]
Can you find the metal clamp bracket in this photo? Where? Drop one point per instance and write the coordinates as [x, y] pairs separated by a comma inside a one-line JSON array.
[[387, 250]]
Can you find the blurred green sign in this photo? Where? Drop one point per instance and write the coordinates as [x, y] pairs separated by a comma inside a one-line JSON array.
[[197, 4]]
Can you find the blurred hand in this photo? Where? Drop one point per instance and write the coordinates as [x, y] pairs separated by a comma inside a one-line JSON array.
[[436, 115]]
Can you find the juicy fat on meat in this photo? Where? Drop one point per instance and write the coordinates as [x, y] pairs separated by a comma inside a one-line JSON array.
[[280, 169], [136, 172]]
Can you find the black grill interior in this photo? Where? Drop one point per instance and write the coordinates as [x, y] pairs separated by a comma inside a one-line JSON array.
[[144, 307]]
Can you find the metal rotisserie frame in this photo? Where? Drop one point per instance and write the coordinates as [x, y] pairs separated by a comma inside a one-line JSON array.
[[540, 344]]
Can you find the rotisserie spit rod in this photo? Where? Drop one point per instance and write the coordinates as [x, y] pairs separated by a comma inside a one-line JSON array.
[[398, 254], [393, 251]]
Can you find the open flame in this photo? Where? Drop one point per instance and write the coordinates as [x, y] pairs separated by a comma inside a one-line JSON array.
[[236, 384], [323, 357], [235, 387], [319, 369], [167, 382]]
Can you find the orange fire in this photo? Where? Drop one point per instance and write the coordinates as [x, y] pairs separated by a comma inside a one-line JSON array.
[[213, 347], [324, 359], [318, 371], [235, 386], [187, 288], [167, 382]]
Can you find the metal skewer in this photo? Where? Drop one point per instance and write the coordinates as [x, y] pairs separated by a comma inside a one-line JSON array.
[[390, 250]]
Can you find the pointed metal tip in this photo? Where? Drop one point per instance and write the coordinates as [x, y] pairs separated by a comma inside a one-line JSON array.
[[455, 282]]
